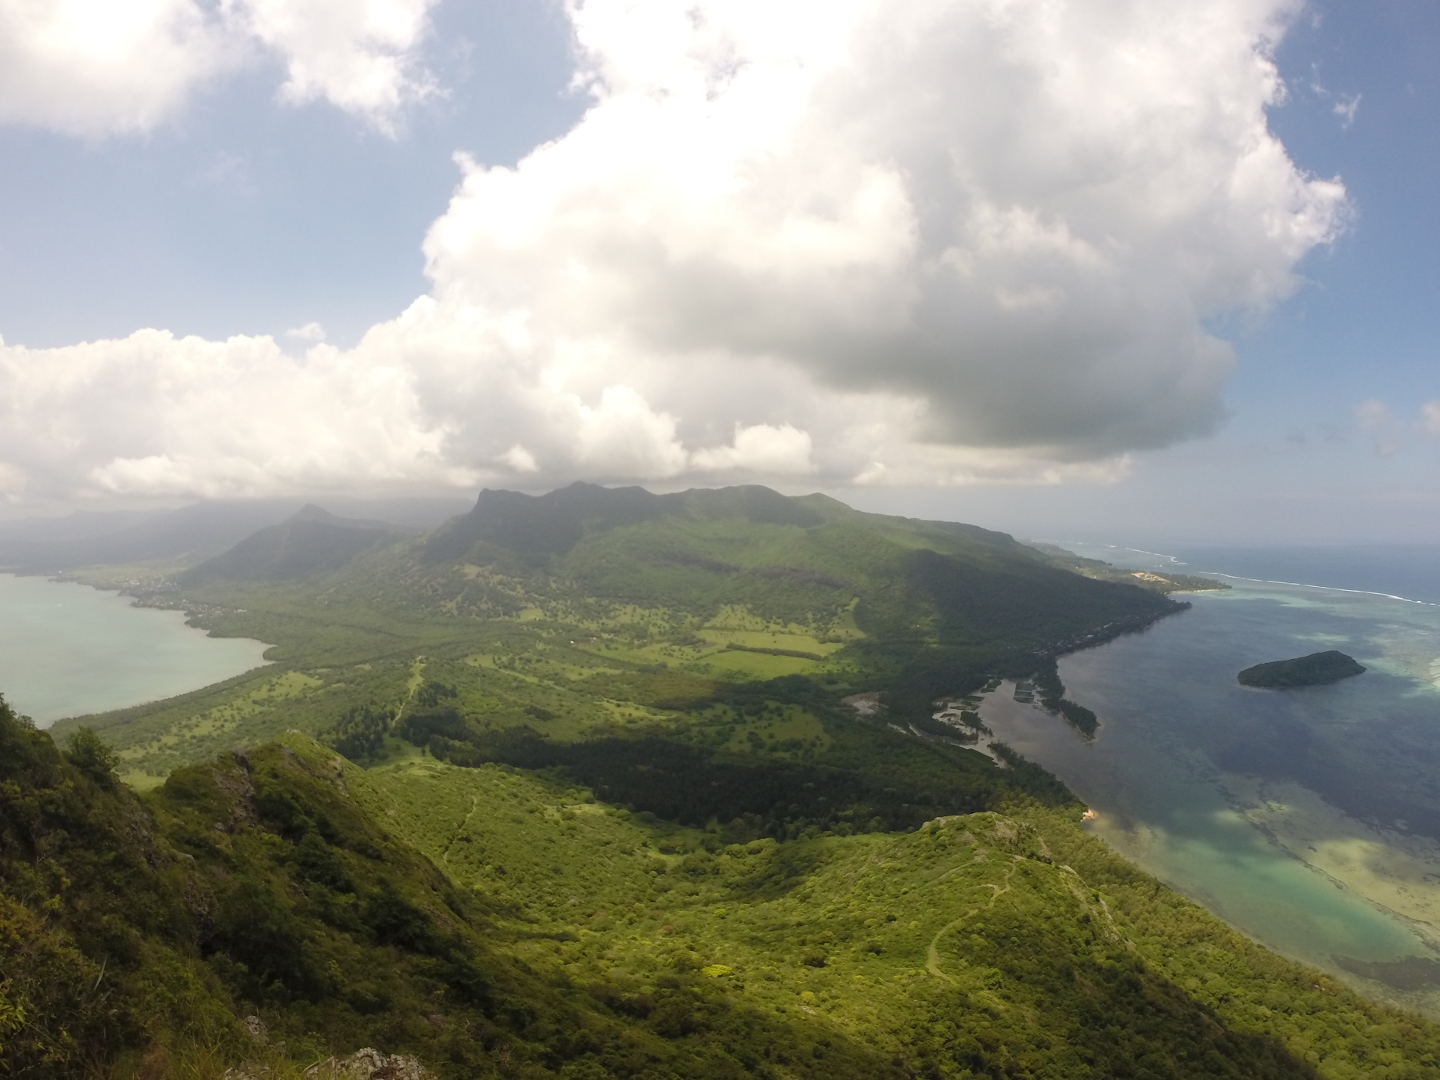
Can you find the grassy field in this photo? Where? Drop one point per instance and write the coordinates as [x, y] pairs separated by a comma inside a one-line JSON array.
[[587, 674]]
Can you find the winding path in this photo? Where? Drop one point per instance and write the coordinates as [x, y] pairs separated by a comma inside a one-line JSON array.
[[932, 960]]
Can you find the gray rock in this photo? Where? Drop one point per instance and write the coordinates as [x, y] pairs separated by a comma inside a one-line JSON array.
[[369, 1064]]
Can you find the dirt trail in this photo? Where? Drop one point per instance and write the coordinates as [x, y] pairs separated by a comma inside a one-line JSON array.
[[932, 960]]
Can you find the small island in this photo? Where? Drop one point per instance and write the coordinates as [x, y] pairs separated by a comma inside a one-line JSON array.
[[1317, 669]]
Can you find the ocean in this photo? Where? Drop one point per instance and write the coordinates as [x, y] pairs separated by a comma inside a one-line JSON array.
[[69, 650], [1308, 819]]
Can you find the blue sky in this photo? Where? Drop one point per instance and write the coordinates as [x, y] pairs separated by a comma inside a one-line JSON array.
[[244, 215], [1368, 328], [238, 210]]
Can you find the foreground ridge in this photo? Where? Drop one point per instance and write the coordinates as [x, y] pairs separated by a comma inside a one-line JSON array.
[[278, 891]]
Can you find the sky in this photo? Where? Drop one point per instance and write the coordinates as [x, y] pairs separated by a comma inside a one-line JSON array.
[[1117, 270]]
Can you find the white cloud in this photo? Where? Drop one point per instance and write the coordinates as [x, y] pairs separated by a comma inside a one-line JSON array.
[[94, 67], [104, 67], [1346, 108], [359, 55], [621, 436], [760, 448], [919, 241], [1389, 433], [310, 333], [520, 459], [156, 414]]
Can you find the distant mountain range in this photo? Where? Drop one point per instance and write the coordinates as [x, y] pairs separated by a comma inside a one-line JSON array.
[[311, 541], [184, 536]]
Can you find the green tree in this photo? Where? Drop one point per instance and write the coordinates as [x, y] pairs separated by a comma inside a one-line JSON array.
[[92, 756]]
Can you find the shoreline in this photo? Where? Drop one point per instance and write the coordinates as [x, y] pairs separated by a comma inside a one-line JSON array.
[[1177, 561], [1395, 877], [155, 661]]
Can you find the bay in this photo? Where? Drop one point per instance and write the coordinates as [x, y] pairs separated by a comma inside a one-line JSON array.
[[1308, 819], [69, 650]]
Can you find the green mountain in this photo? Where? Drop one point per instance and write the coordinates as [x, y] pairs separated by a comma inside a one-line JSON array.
[[189, 534], [309, 543], [605, 783]]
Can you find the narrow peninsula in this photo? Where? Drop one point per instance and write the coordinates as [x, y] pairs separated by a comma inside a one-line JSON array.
[[1317, 669]]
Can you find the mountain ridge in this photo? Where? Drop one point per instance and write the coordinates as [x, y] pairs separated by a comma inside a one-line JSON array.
[[183, 536], [311, 541]]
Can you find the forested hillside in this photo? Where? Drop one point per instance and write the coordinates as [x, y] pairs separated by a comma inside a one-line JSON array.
[[274, 907]]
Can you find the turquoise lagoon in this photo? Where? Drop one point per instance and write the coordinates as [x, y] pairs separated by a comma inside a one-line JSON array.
[[69, 650], [1308, 819]]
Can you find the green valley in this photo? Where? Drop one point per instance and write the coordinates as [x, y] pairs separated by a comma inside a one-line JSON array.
[[603, 608]]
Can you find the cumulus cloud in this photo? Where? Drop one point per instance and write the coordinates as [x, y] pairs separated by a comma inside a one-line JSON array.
[[761, 448], [156, 414], [358, 55], [93, 67], [918, 241], [1014, 216], [104, 67]]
